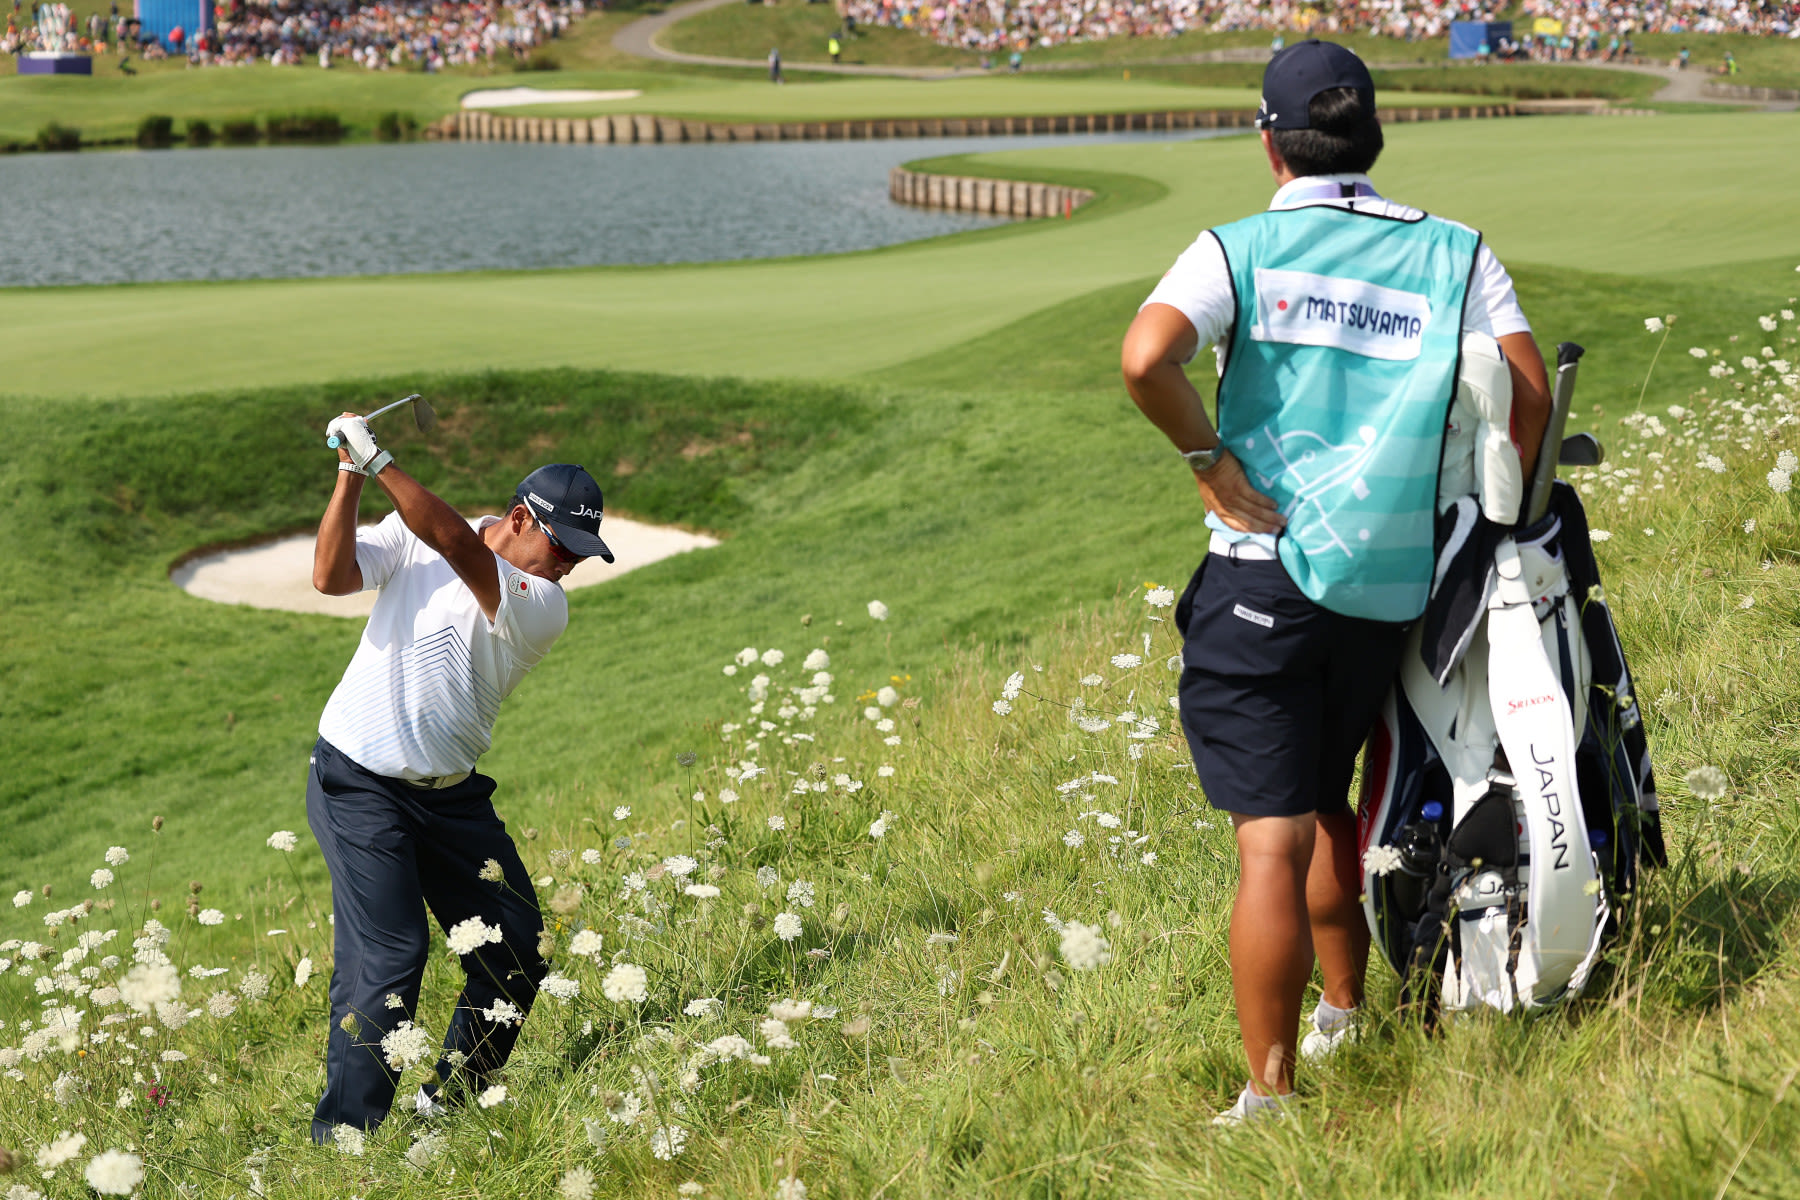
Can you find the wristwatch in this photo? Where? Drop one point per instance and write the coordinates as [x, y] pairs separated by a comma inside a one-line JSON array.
[[1205, 460]]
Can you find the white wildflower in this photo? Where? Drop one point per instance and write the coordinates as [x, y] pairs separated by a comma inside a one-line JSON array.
[[626, 983], [777, 822], [878, 610], [1381, 860], [727, 796], [1083, 948], [801, 892], [60, 1149], [1654, 324], [746, 656], [1768, 324], [887, 697], [577, 1183], [591, 856], [115, 1173], [702, 891], [1780, 481], [470, 935], [117, 856], [491, 872], [680, 865], [22, 898], [1599, 535], [1126, 662], [560, 986], [586, 944], [789, 1188], [348, 1139], [100, 878], [303, 971], [493, 1096], [1696, 351], [668, 1141], [879, 827], [210, 916], [775, 1034], [284, 840], [149, 984], [818, 660], [1002, 708], [1159, 597], [1074, 839], [704, 1007], [406, 1046], [1787, 461], [1707, 782], [787, 926]]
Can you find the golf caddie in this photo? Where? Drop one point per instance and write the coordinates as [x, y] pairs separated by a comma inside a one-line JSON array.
[[405, 822], [1339, 321]]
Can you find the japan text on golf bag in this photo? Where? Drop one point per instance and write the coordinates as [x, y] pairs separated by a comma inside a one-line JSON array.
[[1508, 800]]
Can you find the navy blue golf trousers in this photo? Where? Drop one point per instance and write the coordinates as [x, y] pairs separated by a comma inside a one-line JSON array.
[[393, 850]]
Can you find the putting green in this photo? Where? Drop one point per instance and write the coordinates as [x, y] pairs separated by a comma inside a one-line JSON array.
[[1671, 194]]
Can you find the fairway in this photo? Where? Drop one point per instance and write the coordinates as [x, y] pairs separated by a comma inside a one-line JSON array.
[[1688, 194]]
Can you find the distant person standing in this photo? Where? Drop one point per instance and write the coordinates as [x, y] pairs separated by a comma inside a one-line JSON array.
[[834, 47], [775, 64], [1276, 45], [1682, 62], [1014, 62]]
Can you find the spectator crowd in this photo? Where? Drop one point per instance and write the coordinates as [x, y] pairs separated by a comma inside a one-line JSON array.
[[430, 34], [990, 25]]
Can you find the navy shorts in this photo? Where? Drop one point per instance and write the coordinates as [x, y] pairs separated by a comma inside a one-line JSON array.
[[1277, 693]]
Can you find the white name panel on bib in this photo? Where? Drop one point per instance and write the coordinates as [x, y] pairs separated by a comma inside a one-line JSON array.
[[1304, 309]]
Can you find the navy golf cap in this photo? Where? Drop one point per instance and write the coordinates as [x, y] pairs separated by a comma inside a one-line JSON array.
[[1300, 72], [566, 498]]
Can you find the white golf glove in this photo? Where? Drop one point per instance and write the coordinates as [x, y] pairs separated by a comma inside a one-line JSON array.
[[366, 458]]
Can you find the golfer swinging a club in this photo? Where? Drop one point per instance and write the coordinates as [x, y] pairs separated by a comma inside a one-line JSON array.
[[1339, 320], [402, 816]]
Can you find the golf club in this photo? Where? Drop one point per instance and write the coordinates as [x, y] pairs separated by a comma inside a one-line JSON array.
[[423, 415], [1568, 359]]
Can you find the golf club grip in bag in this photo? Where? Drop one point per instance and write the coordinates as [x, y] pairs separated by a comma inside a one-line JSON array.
[[1504, 812]]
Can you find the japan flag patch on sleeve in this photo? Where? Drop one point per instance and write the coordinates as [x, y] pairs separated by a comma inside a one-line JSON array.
[[517, 584]]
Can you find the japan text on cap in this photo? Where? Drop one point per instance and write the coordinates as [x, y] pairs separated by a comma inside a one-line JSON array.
[[566, 498], [1300, 72]]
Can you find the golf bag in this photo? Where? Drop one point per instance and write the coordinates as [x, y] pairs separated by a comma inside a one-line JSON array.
[[1508, 800]]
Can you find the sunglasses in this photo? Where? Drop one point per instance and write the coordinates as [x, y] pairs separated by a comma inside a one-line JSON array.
[[563, 553]]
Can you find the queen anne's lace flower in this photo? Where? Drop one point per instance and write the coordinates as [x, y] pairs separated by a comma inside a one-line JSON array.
[[1083, 948]]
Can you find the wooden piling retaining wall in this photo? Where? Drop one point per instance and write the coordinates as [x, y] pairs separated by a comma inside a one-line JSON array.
[[993, 197], [476, 125]]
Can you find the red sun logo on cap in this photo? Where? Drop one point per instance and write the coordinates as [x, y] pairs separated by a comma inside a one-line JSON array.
[[1281, 305]]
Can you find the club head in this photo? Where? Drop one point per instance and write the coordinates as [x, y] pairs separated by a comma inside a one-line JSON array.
[[424, 415], [1581, 450]]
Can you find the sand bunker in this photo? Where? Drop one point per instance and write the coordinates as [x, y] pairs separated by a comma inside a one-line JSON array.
[[279, 574], [514, 97]]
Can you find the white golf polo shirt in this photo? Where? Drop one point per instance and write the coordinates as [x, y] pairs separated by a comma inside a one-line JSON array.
[[1199, 285], [420, 696]]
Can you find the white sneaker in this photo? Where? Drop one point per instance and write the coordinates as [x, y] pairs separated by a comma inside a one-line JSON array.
[[1320, 1044], [1241, 1113], [427, 1105]]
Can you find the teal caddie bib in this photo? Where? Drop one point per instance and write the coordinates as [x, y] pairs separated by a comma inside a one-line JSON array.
[[1337, 385]]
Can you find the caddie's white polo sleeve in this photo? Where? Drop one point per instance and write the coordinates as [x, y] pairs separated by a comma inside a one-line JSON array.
[[380, 549], [1199, 285], [1492, 306], [533, 613]]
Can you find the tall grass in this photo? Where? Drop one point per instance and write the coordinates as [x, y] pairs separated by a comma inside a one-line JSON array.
[[951, 1049]]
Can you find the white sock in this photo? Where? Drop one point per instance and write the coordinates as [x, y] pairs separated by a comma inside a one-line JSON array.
[[1328, 1018], [1254, 1103]]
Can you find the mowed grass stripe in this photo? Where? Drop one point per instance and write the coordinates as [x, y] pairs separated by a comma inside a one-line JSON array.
[[1637, 197]]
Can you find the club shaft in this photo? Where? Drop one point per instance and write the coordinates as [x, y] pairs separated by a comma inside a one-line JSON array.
[[333, 442]]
